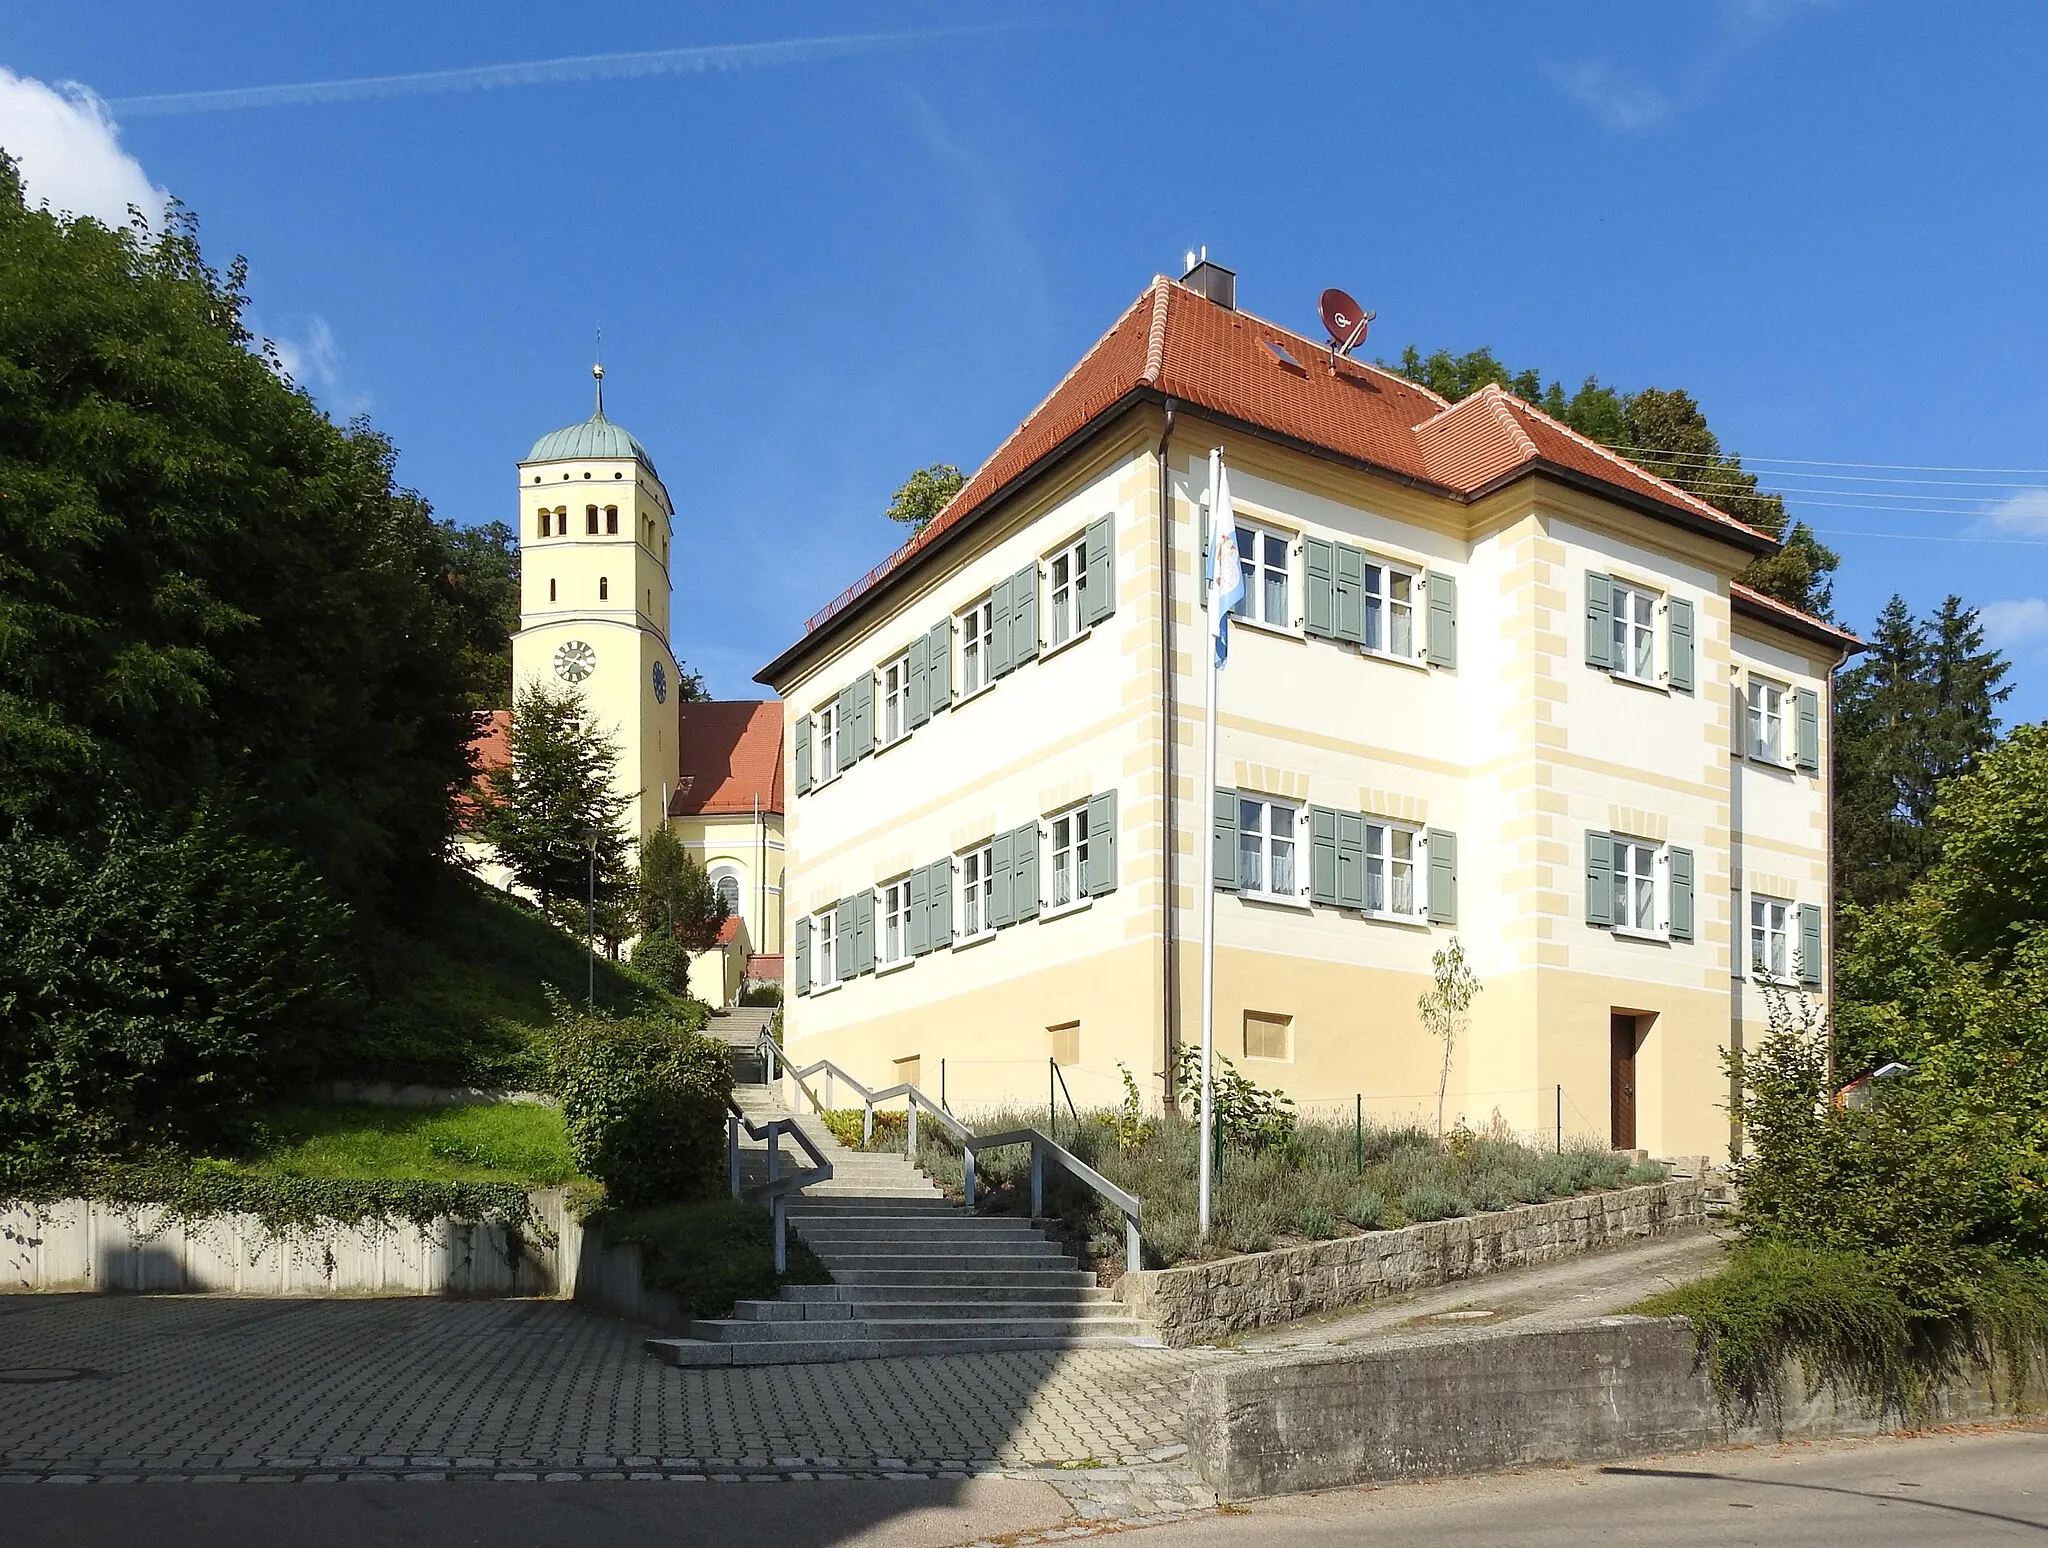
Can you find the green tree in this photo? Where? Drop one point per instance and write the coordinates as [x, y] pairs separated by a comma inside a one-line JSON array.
[[481, 575], [924, 494], [674, 896], [1446, 1009], [541, 812]]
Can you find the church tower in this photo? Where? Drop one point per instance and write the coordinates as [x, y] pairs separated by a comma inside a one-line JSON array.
[[594, 529]]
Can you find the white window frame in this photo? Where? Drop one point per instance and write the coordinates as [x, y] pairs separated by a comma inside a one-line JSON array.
[[825, 951], [975, 866], [1379, 610], [1063, 624], [1647, 861], [892, 910], [1631, 633], [727, 871], [977, 624], [1268, 855], [1382, 863], [1763, 720], [1772, 920], [1253, 557], [1066, 860], [825, 743], [894, 703]]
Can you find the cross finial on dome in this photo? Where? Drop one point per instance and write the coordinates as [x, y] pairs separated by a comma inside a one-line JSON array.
[[597, 373]]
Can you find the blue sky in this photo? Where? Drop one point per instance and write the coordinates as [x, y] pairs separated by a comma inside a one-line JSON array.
[[820, 267]]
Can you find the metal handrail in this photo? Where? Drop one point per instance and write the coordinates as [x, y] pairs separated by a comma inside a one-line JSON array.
[[1042, 1145], [777, 1187]]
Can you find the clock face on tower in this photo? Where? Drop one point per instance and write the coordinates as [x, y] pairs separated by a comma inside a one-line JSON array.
[[575, 661], [660, 683]]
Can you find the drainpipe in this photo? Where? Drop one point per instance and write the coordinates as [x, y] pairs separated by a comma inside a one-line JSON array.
[[1169, 946]]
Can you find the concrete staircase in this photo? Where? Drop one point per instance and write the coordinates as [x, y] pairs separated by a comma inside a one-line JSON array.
[[912, 1274]]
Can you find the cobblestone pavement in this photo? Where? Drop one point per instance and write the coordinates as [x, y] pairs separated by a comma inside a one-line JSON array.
[[213, 1389]]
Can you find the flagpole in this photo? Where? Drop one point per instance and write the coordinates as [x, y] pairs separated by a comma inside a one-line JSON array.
[[1205, 839]]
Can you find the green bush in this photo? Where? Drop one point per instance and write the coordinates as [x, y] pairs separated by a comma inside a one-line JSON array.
[[1427, 1201], [710, 1254], [660, 961], [762, 995], [644, 1100]]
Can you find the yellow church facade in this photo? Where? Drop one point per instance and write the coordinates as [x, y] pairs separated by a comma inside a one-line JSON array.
[[1489, 683]]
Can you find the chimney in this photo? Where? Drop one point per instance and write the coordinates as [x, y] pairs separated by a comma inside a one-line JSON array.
[[1211, 279]]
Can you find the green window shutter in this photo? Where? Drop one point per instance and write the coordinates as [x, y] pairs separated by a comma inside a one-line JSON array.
[[1443, 618], [1443, 877], [1351, 860], [1101, 873], [939, 650], [1024, 616], [1024, 872], [1809, 945], [919, 882], [1806, 729], [847, 735], [803, 956], [845, 939], [998, 664], [1599, 621], [1225, 840], [920, 688], [864, 932], [864, 711], [1599, 879], [1350, 594], [1098, 598], [1001, 852], [803, 755], [1321, 568], [1322, 855], [1681, 895], [1681, 645], [939, 893]]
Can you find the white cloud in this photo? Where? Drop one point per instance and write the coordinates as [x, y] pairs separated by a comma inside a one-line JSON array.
[[312, 357], [1618, 104], [70, 152], [2012, 624], [2024, 514]]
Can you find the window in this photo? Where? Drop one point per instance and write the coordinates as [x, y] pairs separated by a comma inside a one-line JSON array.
[[1770, 938], [1390, 611], [1390, 858], [977, 891], [551, 591], [824, 950], [604, 588], [1635, 886], [611, 520], [1266, 841], [590, 520], [1766, 720], [895, 700], [977, 642], [1264, 557], [726, 883], [896, 923], [1635, 633], [1265, 1035], [825, 739], [1069, 858], [546, 523], [1067, 576]]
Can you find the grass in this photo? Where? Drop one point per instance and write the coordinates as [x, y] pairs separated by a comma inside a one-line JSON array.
[[1310, 1187], [711, 1253], [511, 1142]]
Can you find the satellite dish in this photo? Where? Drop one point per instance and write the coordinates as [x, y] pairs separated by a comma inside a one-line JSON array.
[[1346, 320]]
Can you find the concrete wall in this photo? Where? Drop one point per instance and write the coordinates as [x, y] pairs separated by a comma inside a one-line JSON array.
[[1207, 1301], [1615, 1387], [78, 1244]]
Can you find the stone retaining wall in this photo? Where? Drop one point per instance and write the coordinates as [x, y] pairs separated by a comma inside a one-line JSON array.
[[80, 1244], [1597, 1391], [1202, 1302]]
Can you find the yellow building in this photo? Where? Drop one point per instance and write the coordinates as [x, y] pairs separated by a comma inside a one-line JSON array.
[[726, 807], [1489, 682]]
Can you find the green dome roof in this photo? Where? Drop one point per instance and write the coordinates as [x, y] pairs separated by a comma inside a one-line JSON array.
[[595, 439]]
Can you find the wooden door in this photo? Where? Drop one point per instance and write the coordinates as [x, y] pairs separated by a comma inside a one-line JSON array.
[[1623, 1081]]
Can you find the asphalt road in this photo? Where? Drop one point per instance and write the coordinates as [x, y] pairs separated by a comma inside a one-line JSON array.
[[1958, 1490]]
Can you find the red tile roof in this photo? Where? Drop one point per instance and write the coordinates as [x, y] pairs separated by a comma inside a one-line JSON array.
[[728, 928], [728, 755], [489, 751], [1747, 599], [1175, 342]]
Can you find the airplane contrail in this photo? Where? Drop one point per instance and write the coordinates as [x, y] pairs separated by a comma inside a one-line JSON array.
[[534, 72]]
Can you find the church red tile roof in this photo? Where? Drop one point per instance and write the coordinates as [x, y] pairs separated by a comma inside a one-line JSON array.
[[489, 751], [729, 753], [1229, 365]]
